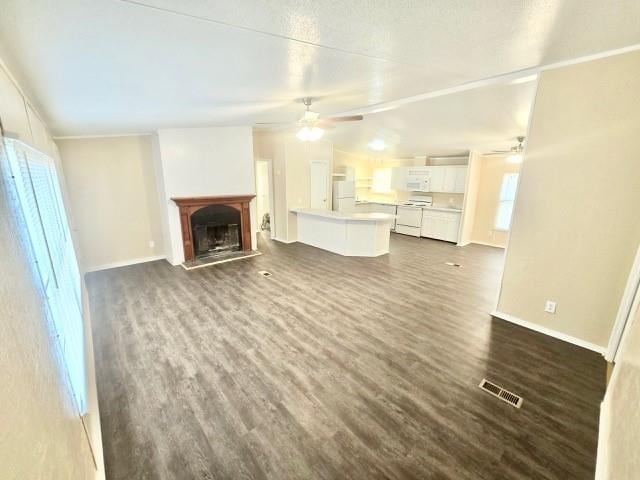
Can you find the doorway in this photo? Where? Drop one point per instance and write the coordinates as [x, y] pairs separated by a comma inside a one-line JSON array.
[[265, 221], [319, 185]]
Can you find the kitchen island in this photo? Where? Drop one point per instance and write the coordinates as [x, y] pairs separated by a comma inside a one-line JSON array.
[[349, 234]]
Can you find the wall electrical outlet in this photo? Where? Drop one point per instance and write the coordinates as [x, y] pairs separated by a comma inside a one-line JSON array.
[[550, 306], [152, 244]]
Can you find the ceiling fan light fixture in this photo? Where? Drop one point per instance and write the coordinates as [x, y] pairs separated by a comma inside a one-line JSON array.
[[377, 145], [514, 158], [310, 134]]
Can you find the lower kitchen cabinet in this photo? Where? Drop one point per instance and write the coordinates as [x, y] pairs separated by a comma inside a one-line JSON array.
[[440, 225]]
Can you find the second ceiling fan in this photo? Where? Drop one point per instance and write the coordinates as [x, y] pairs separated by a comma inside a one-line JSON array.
[[514, 154]]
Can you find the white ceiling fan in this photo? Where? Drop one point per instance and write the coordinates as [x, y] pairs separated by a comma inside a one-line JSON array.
[[313, 126], [514, 154]]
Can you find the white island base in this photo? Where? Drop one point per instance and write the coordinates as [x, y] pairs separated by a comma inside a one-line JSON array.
[[349, 234]]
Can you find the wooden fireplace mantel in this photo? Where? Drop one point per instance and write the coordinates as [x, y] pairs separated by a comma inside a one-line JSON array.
[[189, 205]]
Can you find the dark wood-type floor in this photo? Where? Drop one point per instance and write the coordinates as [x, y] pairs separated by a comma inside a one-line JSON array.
[[334, 368]]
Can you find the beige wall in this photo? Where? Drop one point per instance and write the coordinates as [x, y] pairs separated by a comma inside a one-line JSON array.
[[113, 198], [270, 146], [41, 433], [490, 173], [575, 228], [291, 175]]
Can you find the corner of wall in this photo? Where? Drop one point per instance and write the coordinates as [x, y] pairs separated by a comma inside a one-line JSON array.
[[162, 196]]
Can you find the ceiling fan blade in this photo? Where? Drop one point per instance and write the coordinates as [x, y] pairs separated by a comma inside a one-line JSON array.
[[498, 152], [349, 118], [325, 125], [275, 124]]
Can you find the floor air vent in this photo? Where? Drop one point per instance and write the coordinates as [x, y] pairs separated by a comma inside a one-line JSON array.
[[264, 273], [501, 393]]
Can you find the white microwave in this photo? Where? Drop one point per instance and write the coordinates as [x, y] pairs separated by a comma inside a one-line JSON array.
[[419, 180]]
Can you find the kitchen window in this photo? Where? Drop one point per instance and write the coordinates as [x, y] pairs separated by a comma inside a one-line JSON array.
[[507, 198], [381, 180], [44, 231]]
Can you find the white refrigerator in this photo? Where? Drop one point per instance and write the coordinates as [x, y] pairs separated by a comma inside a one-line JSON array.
[[344, 196]]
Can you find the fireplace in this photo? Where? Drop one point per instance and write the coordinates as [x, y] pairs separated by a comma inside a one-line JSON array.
[[216, 230], [214, 226]]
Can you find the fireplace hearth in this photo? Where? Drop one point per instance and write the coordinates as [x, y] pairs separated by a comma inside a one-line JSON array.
[[214, 226]]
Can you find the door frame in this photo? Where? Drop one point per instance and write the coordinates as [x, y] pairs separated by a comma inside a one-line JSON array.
[[630, 297], [271, 186]]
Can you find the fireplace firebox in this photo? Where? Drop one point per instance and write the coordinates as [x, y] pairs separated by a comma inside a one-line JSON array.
[[214, 226], [216, 230]]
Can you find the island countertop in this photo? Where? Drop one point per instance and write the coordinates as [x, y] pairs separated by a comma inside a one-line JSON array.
[[349, 234], [344, 216]]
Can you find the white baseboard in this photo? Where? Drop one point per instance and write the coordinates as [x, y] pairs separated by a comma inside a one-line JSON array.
[[548, 331], [487, 244], [284, 241], [125, 263]]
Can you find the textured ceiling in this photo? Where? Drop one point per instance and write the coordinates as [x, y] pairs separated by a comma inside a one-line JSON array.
[[479, 119], [113, 66]]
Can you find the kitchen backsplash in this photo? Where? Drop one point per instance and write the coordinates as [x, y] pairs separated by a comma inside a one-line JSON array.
[[448, 199], [439, 199]]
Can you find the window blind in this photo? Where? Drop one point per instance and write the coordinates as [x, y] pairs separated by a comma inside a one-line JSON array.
[[49, 242], [507, 199]]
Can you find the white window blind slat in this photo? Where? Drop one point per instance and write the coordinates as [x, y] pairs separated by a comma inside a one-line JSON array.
[[38, 194]]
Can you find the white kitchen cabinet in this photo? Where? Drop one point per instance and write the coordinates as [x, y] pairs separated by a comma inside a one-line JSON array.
[[399, 178], [448, 178], [437, 178], [449, 185], [12, 110], [440, 225], [443, 178], [460, 182], [407, 230]]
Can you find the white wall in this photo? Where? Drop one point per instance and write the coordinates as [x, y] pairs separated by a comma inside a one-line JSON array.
[[41, 433], [576, 224], [198, 162]]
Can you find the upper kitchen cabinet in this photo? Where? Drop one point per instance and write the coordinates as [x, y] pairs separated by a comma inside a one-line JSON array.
[[399, 178], [448, 178], [12, 110], [460, 182]]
